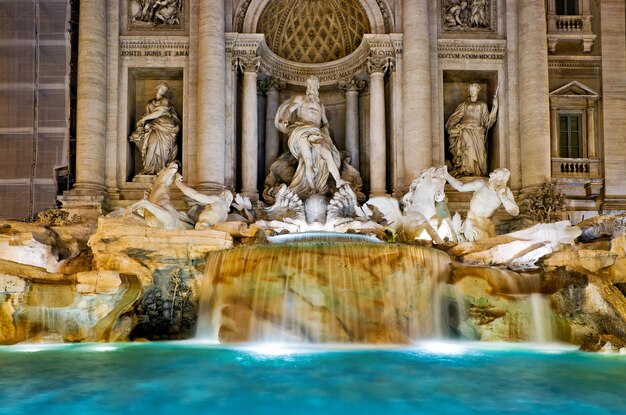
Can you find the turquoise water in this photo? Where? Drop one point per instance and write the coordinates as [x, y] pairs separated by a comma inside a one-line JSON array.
[[187, 379]]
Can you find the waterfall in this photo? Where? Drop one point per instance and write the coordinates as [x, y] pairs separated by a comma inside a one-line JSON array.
[[358, 292], [542, 321]]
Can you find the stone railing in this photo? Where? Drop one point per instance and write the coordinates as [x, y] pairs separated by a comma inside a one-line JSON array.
[[575, 167], [569, 23], [570, 28]]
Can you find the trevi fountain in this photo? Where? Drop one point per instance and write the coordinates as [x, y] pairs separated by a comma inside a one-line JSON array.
[[261, 222]]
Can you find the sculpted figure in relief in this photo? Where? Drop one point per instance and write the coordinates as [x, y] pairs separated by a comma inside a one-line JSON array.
[[156, 132], [157, 11], [303, 118], [488, 197], [467, 128], [453, 14]]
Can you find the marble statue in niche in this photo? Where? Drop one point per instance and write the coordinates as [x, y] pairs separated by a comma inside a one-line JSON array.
[[303, 119], [156, 12], [467, 128], [466, 14], [156, 132], [488, 196]]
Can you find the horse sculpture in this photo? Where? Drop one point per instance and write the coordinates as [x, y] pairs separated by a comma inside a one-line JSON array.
[[420, 214]]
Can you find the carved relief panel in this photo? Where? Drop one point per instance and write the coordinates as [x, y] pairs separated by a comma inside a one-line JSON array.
[[155, 15], [468, 16]]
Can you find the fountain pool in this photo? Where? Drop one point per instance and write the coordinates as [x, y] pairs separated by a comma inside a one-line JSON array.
[[194, 378]]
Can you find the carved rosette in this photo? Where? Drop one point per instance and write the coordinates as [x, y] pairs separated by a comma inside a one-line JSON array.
[[352, 84], [249, 64]]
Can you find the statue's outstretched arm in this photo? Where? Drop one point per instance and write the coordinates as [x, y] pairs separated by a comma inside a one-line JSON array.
[[194, 194], [464, 187]]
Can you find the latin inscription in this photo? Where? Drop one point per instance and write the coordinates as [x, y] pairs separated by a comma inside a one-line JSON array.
[[155, 53]]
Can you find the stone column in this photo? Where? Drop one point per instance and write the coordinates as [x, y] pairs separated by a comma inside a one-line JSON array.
[[249, 135], [416, 88], [377, 135], [272, 87], [352, 88], [534, 106], [211, 114], [591, 128], [612, 17], [91, 108]]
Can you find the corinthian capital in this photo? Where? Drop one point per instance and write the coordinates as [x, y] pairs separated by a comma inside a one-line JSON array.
[[352, 84], [249, 64], [273, 83], [379, 64]]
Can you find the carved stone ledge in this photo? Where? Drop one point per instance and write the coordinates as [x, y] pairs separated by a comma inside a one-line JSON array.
[[372, 46], [134, 46], [471, 49], [591, 63]]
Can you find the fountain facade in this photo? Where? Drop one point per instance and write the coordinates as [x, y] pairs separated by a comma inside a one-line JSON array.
[[257, 122]]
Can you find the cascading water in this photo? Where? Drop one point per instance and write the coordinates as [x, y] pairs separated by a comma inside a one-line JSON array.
[[322, 292], [488, 303]]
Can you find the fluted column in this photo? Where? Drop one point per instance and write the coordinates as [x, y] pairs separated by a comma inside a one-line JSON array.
[[91, 97], [534, 105], [249, 133], [416, 88], [352, 88], [211, 114], [272, 87], [612, 17], [377, 135]]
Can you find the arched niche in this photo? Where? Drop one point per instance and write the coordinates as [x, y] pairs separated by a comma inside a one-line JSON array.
[[248, 13]]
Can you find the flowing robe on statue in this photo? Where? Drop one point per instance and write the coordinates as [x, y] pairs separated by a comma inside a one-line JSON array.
[[157, 138], [315, 137], [468, 127]]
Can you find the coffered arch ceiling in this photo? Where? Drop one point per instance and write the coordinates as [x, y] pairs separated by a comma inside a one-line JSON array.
[[313, 31]]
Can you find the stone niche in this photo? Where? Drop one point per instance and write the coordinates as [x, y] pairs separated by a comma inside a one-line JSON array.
[[455, 84], [141, 89]]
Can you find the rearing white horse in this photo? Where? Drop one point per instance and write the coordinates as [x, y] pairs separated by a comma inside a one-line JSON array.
[[420, 210]]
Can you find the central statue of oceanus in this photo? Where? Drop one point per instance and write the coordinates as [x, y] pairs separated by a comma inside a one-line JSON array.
[[303, 119]]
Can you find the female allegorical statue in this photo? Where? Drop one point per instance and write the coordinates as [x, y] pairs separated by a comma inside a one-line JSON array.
[[156, 132], [467, 129]]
